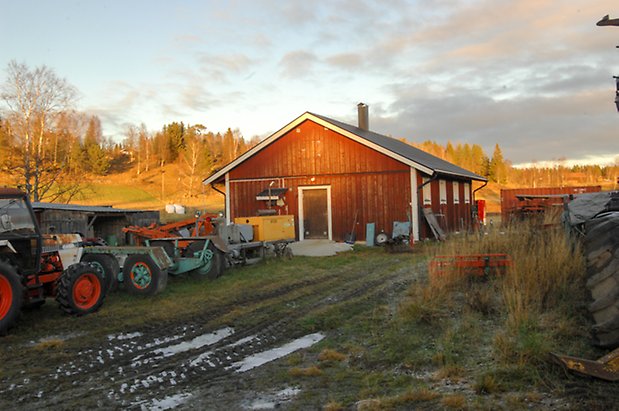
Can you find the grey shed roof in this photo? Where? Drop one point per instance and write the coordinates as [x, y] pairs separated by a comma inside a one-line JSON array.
[[406, 150], [390, 146], [83, 208]]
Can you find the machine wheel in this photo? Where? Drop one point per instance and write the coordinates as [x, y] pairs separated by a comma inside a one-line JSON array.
[[602, 251], [81, 289], [142, 276], [11, 296], [108, 265], [381, 239], [218, 263]]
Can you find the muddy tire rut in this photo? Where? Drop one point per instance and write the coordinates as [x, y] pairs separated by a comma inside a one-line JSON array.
[[139, 367]]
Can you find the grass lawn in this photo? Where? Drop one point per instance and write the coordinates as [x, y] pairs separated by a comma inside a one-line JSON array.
[[394, 338]]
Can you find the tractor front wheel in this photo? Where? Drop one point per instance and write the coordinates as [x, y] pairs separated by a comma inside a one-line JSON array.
[[142, 276], [108, 265], [81, 289], [11, 297]]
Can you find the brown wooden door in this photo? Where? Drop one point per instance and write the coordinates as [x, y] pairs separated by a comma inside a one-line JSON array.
[[315, 213]]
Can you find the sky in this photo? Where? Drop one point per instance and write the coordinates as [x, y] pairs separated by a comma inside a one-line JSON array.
[[534, 76]]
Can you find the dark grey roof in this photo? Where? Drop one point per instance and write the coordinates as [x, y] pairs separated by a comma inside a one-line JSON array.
[[439, 165], [83, 208]]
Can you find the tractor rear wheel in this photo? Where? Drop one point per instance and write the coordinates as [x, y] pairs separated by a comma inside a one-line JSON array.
[[602, 251], [81, 289], [11, 296], [108, 265], [142, 276]]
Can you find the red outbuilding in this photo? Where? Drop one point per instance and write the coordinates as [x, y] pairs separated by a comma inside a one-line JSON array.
[[335, 178]]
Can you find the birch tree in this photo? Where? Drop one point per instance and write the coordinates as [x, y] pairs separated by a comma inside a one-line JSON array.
[[34, 97]]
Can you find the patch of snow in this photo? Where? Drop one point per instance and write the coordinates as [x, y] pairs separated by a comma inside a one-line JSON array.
[[243, 341], [201, 358], [166, 403], [128, 336], [197, 342], [258, 359], [272, 401]]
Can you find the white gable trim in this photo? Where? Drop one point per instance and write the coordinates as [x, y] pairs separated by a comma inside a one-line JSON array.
[[307, 116]]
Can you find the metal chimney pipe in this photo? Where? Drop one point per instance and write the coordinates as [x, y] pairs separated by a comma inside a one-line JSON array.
[[364, 118]]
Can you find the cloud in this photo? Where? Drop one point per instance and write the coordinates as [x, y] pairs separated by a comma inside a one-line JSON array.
[[545, 127], [298, 64], [346, 60], [221, 67]]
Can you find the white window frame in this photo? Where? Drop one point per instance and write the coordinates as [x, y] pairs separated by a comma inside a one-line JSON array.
[[329, 215], [442, 190], [467, 193], [427, 191], [456, 191]]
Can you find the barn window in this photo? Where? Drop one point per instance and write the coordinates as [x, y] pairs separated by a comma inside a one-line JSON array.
[[442, 185], [427, 192], [467, 193], [456, 190]]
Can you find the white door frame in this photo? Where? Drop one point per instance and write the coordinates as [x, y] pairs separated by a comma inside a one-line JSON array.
[[329, 217]]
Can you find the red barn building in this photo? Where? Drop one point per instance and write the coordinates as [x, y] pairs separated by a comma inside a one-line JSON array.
[[331, 176]]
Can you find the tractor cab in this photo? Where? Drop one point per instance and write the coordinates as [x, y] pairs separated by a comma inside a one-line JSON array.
[[20, 238]]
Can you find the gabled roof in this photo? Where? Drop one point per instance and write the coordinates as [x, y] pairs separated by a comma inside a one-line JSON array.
[[36, 206], [391, 147]]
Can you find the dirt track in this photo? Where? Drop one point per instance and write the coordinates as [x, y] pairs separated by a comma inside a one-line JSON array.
[[197, 362]]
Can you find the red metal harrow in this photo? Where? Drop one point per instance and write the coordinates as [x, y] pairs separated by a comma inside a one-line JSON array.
[[473, 264]]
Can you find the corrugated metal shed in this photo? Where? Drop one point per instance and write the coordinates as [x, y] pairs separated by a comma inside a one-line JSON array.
[[83, 208], [91, 221]]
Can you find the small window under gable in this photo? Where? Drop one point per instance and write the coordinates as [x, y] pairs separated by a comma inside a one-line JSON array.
[[467, 193], [456, 190], [427, 192], [442, 185]]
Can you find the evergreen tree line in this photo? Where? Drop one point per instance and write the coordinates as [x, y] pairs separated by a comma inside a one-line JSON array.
[[499, 170]]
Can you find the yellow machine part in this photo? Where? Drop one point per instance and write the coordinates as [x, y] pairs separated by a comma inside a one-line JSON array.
[[270, 228], [605, 368]]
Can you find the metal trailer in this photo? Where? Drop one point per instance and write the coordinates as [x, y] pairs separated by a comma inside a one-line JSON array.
[[142, 270]]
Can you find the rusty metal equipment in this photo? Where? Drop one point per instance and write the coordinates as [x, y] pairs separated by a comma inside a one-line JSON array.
[[521, 203], [479, 265], [199, 226], [605, 368]]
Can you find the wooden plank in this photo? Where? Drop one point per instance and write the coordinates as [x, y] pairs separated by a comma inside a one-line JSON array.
[[438, 232]]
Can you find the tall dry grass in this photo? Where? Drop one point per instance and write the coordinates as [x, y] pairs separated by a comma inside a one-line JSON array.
[[547, 267]]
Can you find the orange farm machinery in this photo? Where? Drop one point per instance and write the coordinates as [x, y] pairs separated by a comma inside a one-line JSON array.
[[78, 275]]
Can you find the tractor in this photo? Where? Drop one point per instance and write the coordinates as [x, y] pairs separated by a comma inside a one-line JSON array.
[[77, 272], [34, 267]]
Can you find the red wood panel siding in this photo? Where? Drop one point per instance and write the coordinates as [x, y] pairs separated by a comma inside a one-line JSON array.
[[450, 216], [362, 181], [376, 198], [310, 150]]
